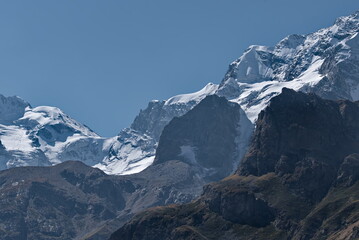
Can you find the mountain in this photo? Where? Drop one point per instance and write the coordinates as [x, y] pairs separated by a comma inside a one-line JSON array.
[[136, 146], [298, 180], [215, 128], [74, 201], [176, 146], [43, 136], [324, 62]]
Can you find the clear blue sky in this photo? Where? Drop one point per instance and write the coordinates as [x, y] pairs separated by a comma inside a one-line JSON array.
[[102, 61]]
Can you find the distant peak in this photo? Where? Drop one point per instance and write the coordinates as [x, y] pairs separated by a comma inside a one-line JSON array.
[[13, 99], [347, 19], [11, 108]]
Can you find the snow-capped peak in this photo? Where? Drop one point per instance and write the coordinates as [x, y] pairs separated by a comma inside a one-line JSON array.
[[43, 136], [324, 62], [45, 115]]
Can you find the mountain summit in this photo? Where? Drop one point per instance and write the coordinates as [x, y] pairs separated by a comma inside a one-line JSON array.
[[324, 62]]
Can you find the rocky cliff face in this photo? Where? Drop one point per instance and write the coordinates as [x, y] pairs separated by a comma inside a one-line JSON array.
[[207, 137], [304, 139], [297, 181]]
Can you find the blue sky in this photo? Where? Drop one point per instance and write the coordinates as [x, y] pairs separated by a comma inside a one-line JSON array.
[[102, 61]]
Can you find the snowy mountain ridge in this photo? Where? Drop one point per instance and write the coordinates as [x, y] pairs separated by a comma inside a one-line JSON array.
[[325, 62]]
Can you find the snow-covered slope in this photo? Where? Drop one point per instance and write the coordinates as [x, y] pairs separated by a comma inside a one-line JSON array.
[[131, 152]]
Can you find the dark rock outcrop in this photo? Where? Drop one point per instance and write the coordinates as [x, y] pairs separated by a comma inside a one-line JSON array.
[[205, 138], [348, 173]]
